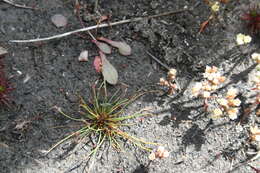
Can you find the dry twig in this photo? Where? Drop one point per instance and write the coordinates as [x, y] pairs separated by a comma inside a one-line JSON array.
[[10, 2], [158, 61], [98, 26]]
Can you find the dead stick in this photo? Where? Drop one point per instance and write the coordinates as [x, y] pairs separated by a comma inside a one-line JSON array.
[[158, 61], [97, 26], [18, 5]]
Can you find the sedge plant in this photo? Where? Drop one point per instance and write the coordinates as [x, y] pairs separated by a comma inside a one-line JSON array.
[[103, 117]]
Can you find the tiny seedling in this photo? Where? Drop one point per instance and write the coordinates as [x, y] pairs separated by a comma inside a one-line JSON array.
[[103, 117], [214, 9]]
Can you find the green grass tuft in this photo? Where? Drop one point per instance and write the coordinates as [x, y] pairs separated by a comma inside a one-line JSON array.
[[104, 117]]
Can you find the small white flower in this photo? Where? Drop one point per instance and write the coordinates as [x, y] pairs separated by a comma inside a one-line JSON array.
[[234, 102], [165, 154], [240, 39], [223, 102], [231, 93], [152, 156], [197, 87], [215, 7], [207, 88], [217, 112], [160, 149], [214, 87], [208, 69], [161, 152], [247, 39], [206, 94], [243, 39], [212, 69], [232, 113], [215, 81], [209, 76], [255, 131], [172, 72], [222, 79], [256, 57]]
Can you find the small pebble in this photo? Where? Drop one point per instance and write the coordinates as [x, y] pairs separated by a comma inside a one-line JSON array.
[[59, 20]]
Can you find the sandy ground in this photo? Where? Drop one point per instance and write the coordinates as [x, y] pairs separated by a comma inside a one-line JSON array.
[[55, 78]]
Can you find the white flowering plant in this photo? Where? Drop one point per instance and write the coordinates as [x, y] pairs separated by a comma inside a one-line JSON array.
[[170, 82], [228, 105], [212, 80]]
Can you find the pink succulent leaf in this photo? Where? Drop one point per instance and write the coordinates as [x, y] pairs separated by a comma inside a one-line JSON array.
[[97, 64]]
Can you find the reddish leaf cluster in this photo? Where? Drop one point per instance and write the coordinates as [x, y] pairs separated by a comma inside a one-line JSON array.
[[5, 87], [252, 18]]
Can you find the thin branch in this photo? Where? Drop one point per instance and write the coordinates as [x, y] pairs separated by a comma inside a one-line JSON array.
[[158, 61], [98, 26], [10, 2], [91, 35]]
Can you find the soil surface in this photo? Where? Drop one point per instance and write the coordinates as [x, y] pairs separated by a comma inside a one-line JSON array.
[[48, 74]]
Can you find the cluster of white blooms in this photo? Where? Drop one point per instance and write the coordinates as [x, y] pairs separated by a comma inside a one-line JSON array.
[[170, 82], [160, 153], [256, 57], [255, 133], [229, 105], [243, 39], [212, 80]]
